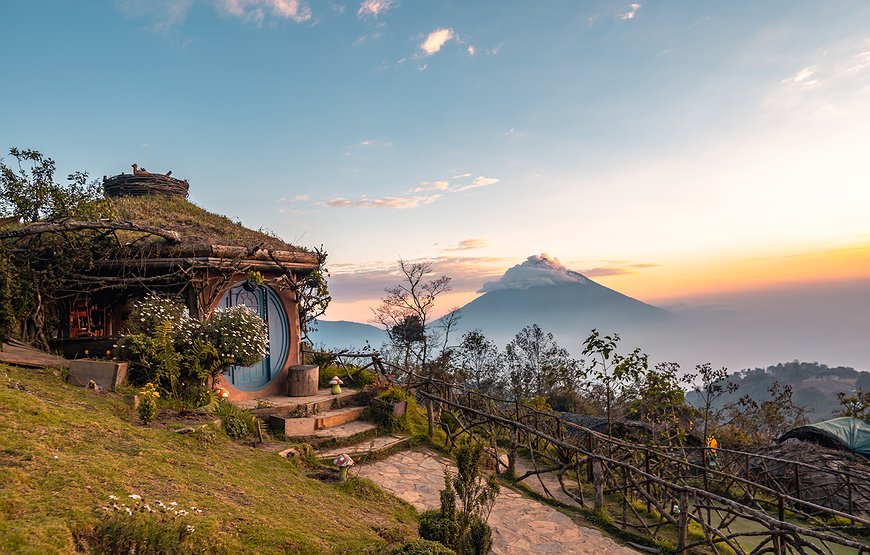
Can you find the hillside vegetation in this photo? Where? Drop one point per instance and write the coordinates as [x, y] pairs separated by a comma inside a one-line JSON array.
[[64, 451], [815, 385]]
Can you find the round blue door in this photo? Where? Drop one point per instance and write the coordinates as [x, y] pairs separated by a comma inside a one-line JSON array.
[[265, 302]]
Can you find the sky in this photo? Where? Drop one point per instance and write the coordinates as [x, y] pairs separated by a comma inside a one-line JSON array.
[[676, 151]]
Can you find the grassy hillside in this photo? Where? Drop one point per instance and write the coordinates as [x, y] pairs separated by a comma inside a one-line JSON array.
[[65, 450]]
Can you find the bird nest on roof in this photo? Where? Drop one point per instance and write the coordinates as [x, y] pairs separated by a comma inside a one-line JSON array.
[[126, 184]]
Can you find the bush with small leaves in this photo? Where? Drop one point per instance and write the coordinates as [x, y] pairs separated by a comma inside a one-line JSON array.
[[421, 547], [148, 396]]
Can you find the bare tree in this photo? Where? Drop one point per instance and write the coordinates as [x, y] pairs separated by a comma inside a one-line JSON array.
[[713, 385], [406, 310]]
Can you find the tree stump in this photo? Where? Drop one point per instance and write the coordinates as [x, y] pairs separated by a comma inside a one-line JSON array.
[[302, 380]]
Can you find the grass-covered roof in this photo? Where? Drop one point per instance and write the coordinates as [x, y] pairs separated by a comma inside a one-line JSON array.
[[195, 225]]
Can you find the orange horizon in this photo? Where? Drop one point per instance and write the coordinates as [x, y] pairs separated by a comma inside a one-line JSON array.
[[682, 280]]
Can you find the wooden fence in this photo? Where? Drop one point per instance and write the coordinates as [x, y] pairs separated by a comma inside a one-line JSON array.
[[695, 498]]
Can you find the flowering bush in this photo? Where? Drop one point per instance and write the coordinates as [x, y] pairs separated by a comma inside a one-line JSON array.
[[241, 337], [133, 525], [148, 396], [170, 347], [150, 312]]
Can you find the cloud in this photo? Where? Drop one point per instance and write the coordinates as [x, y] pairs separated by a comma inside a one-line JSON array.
[[630, 13], [374, 143], [607, 271], [819, 89], [383, 202], [436, 39], [468, 244], [255, 10], [412, 198], [167, 14], [537, 271], [296, 198], [442, 185], [445, 185], [374, 8], [471, 50], [354, 282]]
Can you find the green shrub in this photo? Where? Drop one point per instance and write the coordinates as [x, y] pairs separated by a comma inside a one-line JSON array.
[[421, 547], [436, 527], [238, 423], [477, 539], [462, 526], [148, 403]]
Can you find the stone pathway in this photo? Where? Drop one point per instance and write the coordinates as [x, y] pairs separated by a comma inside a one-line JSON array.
[[520, 524]]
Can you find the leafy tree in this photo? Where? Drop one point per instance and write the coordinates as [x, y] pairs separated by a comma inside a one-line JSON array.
[[712, 384], [856, 405], [538, 365], [660, 401], [616, 373], [761, 423], [33, 270], [406, 311], [480, 362], [30, 193]]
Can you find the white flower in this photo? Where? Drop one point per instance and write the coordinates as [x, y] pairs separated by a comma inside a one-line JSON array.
[[173, 503], [134, 496], [191, 529], [113, 497]]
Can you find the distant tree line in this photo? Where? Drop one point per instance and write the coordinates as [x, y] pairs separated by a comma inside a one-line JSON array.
[[607, 381]]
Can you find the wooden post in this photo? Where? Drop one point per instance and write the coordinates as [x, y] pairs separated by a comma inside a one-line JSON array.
[[512, 454], [778, 546], [591, 476], [646, 482], [624, 498], [849, 494], [797, 481], [683, 521], [598, 483], [430, 414]]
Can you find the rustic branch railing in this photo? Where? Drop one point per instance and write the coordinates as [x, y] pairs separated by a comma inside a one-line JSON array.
[[675, 496]]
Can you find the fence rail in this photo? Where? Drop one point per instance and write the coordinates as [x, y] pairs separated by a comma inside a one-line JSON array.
[[693, 497]]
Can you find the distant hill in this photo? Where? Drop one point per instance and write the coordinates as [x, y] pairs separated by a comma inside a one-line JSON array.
[[542, 291], [815, 385], [339, 334]]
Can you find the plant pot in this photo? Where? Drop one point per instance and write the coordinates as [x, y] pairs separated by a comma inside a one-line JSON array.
[[336, 389], [106, 374]]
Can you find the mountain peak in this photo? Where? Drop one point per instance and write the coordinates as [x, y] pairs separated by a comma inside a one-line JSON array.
[[536, 271]]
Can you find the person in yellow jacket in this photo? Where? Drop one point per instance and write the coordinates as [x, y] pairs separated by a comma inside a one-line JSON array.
[[710, 452]]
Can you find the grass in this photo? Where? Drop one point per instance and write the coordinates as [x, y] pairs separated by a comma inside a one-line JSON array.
[[64, 450], [195, 225]]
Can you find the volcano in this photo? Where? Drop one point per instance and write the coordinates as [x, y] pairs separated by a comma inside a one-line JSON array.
[[543, 291]]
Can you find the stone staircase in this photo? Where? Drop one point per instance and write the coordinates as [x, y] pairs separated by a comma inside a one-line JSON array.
[[333, 424]]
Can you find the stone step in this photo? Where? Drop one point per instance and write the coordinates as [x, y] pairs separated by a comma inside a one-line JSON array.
[[333, 418], [366, 448], [344, 434], [306, 427], [283, 405]]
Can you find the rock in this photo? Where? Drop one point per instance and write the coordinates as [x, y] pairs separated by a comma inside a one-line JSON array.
[[185, 430], [290, 453]]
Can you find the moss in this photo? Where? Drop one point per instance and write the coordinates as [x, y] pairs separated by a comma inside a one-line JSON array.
[[195, 225], [64, 450]]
